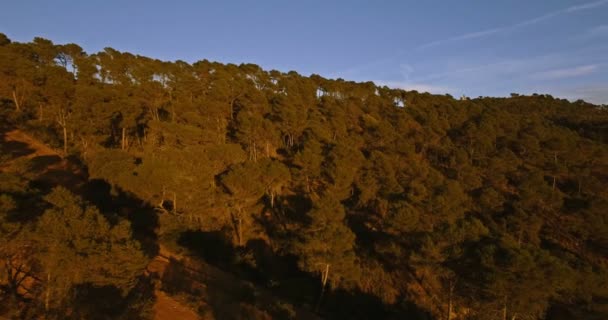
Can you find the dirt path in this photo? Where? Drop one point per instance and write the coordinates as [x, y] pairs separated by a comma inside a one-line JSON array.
[[37, 162], [50, 168], [167, 308], [38, 148], [16, 147], [216, 292]]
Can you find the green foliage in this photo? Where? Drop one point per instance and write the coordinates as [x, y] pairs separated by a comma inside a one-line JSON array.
[[76, 244], [485, 205], [326, 242], [69, 245]]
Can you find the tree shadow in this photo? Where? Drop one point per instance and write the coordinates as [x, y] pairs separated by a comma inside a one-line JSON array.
[[294, 207], [109, 302], [252, 278], [352, 304], [355, 304], [111, 201], [213, 291], [211, 246], [280, 273], [29, 201], [41, 163], [51, 171], [14, 149], [116, 203]]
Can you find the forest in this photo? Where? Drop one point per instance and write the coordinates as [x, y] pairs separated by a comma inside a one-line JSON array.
[[325, 199]]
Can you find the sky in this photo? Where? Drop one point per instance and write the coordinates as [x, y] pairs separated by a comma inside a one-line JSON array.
[[468, 47]]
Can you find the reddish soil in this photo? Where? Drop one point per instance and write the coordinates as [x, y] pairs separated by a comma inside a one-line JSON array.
[[37, 148], [167, 308]]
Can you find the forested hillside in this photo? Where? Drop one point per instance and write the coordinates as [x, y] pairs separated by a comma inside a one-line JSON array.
[[348, 199]]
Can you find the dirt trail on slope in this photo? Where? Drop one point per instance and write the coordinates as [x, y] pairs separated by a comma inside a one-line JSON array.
[[50, 169], [16, 146], [215, 292], [38, 148], [46, 168], [167, 308]]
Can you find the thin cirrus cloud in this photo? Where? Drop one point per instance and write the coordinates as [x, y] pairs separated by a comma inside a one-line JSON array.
[[477, 34], [408, 83], [469, 75], [420, 87], [506, 69], [598, 31], [540, 73], [563, 73], [597, 93], [498, 30], [572, 72]]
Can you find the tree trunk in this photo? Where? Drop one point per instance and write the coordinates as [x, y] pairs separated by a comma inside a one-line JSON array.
[[271, 199], [240, 230], [85, 148], [324, 277], [162, 200], [47, 296], [237, 224], [555, 157], [65, 141], [504, 310], [122, 139], [154, 112], [40, 112], [16, 101], [307, 184], [174, 202], [232, 109], [450, 305]]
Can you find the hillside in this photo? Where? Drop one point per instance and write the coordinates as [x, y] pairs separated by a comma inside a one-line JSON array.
[[231, 192], [51, 170]]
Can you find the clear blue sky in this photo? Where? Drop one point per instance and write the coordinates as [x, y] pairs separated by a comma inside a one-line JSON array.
[[471, 47]]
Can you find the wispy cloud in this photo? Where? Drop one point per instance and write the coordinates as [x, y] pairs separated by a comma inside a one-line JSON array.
[[390, 59], [497, 67], [406, 70], [586, 6], [562, 73], [542, 74], [596, 93], [559, 72], [420, 87], [499, 79], [525, 23], [598, 31], [407, 83]]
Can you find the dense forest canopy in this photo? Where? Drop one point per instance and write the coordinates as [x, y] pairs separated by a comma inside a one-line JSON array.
[[432, 207]]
